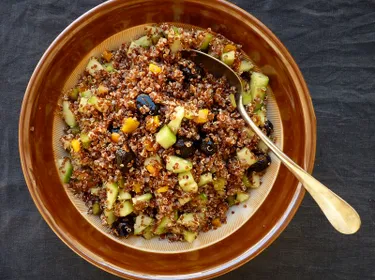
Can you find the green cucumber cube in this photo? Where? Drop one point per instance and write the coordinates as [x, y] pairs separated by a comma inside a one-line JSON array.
[[246, 157], [123, 195], [142, 198], [228, 58], [162, 227], [110, 216], [65, 169], [93, 65], [204, 179], [190, 236], [68, 115], [124, 208], [177, 164], [175, 124], [165, 137], [206, 41], [245, 66], [85, 140], [112, 192], [241, 197], [141, 223], [187, 183]]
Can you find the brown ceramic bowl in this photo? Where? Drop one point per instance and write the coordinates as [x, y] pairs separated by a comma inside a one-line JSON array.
[[35, 138]]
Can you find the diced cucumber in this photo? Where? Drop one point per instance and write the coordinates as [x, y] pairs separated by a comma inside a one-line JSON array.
[[133, 45], [93, 65], [187, 183], [189, 220], [124, 208], [190, 236], [258, 87], [241, 197], [86, 94], [162, 227], [112, 192], [156, 33], [177, 164], [202, 198], [73, 94], [141, 223], [219, 185], [151, 160], [255, 180], [165, 137], [96, 209], [95, 191], [65, 169], [249, 132], [231, 200], [246, 181], [82, 105], [75, 130], [94, 101], [85, 140], [68, 115], [110, 216], [246, 157], [228, 58], [175, 124], [206, 41], [147, 233], [232, 99], [246, 97], [142, 198], [176, 45], [204, 179], [261, 118], [262, 147], [123, 195], [245, 66], [184, 200], [109, 67], [144, 41]]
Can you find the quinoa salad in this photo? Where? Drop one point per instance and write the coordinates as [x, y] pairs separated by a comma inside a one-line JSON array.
[[156, 147]]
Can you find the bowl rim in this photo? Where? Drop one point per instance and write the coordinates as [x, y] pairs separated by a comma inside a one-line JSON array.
[[220, 269]]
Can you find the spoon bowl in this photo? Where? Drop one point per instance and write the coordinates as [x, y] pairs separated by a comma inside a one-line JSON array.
[[339, 213]]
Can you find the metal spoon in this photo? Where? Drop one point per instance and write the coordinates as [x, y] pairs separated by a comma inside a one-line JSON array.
[[338, 212]]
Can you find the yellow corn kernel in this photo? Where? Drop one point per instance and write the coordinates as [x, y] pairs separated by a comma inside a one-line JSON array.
[[154, 68], [150, 168], [148, 145], [229, 48], [129, 125], [152, 123], [115, 137], [102, 89], [216, 222], [202, 116], [162, 189], [76, 145], [137, 188], [107, 55], [189, 114]]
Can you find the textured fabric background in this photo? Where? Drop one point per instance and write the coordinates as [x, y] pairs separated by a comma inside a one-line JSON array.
[[334, 44]]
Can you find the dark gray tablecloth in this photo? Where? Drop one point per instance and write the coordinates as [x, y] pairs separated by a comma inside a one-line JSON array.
[[334, 44]]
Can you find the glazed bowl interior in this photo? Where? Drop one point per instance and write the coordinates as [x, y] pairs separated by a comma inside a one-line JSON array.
[[37, 154]]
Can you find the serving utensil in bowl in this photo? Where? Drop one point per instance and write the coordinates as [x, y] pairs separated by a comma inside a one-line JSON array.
[[339, 213]]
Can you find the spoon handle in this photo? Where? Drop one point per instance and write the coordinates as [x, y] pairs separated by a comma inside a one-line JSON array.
[[338, 212]]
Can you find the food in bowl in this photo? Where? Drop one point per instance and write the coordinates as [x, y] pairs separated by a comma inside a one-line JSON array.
[[156, 145]]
